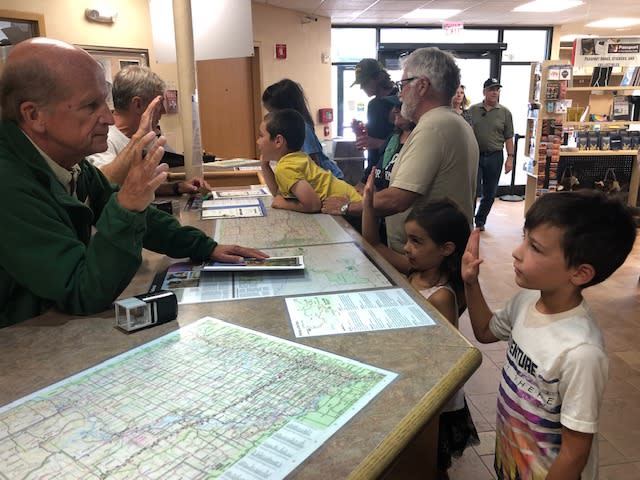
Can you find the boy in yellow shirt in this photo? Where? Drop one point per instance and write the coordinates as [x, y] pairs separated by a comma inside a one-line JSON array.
[[297, 182]]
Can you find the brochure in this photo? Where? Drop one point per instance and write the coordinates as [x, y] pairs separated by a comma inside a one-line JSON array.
[[273, 263], [232, 208], [249, 192], [233, 163]]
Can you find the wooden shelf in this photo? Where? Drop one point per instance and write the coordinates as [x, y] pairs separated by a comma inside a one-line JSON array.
[[606, 124], [588, 75], [599, 100], [615, 88], [598, 153]]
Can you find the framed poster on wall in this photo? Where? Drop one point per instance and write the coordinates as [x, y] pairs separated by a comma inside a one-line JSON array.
[[114, 59]]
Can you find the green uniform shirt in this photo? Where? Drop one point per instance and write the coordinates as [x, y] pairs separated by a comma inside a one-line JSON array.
[[491, 127], [48, 255]]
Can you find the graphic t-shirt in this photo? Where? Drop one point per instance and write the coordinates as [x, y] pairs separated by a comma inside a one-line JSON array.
[[554, 375]]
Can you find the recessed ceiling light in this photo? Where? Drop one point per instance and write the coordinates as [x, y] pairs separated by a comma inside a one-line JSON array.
[[543, 6], [431, 13], [614, 23]]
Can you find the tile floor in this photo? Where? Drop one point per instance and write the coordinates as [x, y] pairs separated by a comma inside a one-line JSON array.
[[616, 303]]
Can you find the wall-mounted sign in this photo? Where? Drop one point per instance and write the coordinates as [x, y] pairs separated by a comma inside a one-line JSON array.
[[606, 52], [281, 51], [171, 99]]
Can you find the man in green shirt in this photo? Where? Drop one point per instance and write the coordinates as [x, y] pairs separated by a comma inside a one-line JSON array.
[[71, 239], [493, 127]]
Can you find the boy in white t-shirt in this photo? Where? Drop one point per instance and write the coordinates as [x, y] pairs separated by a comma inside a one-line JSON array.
[[556, 368]]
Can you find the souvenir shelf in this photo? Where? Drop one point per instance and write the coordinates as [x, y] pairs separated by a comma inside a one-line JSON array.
[[552, 101]]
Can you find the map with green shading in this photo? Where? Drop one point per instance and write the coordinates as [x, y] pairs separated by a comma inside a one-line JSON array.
[[280, 228], [349, 269], [210, 400]]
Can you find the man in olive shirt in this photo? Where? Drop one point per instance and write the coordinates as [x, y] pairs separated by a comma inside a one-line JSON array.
[[493, 127], [440, 158]]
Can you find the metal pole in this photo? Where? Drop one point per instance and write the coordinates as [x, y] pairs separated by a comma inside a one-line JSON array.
[[511, 197]]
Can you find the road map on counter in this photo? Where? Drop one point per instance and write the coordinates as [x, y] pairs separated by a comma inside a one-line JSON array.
[[210, 400], [350, 269], [281, 228], [355, 312]]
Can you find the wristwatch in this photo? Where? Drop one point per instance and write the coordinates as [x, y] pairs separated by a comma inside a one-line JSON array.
[[344, 209]]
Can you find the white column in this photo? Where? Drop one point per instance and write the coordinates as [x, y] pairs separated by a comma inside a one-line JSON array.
[[187, 88]]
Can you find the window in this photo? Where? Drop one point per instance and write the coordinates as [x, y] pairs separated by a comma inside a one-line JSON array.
[[525, 45], [353, 44], [436, 35]]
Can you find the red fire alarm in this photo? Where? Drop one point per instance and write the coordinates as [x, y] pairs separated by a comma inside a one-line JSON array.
[[325, 115], [281, 51]]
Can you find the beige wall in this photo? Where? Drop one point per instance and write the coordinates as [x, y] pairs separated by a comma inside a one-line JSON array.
[[305, 45], [65, 20]]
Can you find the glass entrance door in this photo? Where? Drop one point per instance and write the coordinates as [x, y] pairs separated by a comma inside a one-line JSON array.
[[352, 101], [477, 63]]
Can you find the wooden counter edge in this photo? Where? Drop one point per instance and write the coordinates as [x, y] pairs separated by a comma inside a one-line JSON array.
[[382, 457]]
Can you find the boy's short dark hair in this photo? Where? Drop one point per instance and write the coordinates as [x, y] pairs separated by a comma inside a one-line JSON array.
[[288, 123], [598, 230]]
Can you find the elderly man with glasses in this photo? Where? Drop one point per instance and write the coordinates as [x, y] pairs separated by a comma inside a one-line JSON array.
[[440, 158]]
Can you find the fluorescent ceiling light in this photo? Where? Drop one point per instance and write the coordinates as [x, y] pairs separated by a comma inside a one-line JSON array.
[[431, 13], [614, 23], [545, 6]]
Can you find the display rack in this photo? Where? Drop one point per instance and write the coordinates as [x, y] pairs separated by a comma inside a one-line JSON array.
[[548, 129]]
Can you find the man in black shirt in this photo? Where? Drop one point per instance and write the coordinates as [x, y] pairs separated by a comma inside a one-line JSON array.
[[375, 81]]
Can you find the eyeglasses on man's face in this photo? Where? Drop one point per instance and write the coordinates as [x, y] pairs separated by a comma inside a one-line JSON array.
[[401, 83]]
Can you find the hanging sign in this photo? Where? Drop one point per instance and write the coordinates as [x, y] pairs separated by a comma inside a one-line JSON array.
[[452, 28]]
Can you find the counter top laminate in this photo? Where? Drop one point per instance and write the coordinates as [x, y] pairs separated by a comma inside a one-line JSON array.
[[432, 363]]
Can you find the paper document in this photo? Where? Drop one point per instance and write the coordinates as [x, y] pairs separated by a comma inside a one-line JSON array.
[[349, 269], [248, 192], [233, 163], [232, 208], [249, 264], [355, 312]]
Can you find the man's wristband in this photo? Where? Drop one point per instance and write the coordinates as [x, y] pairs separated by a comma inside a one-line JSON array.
[[510, 155], [176, 188]]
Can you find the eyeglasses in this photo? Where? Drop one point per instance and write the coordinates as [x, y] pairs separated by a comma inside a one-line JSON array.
[[401, 83]]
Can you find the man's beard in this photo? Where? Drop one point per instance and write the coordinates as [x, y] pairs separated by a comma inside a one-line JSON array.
[[408, 109]]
